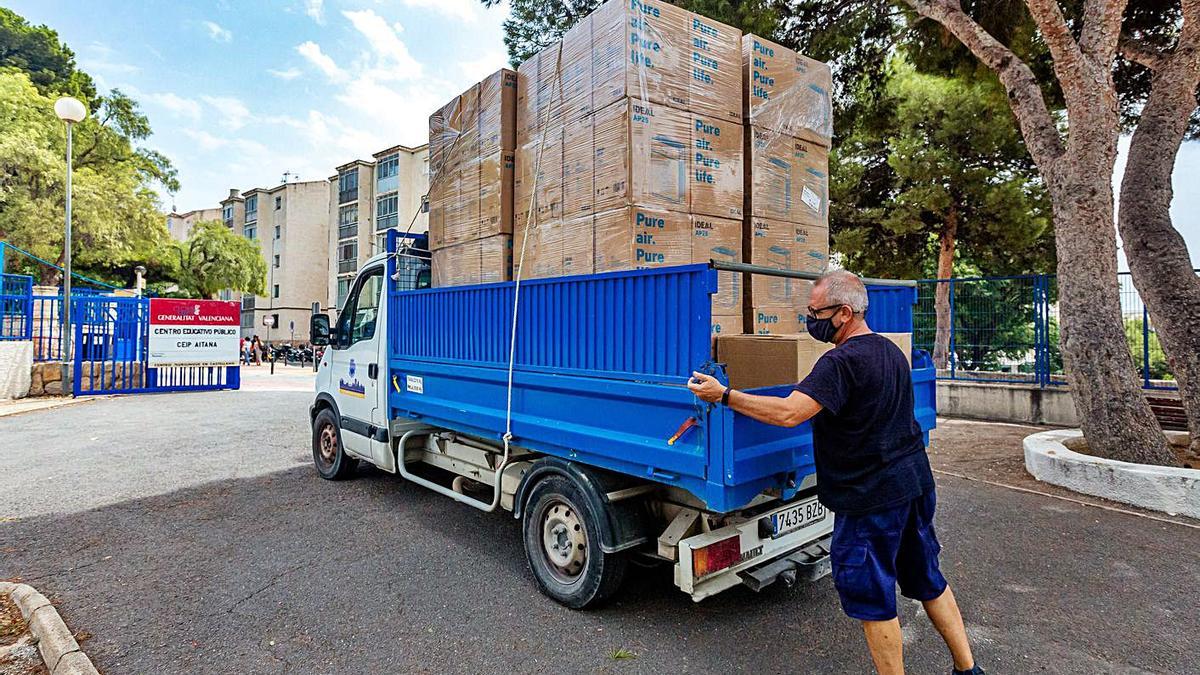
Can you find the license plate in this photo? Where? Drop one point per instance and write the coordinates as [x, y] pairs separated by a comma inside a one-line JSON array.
[[797, 517]]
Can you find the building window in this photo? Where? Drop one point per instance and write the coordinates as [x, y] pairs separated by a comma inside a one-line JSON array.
[[348, 186], [278, 203], [250, 230], [387, 173], [248, 302], [347, 221], [252, 209], [275, 291], [424, 203], [277, 261], [276, 231], [227, 215], [347, 256], [386, 212], [343, 287]]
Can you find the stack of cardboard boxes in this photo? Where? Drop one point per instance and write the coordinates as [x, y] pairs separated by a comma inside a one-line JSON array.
[[631, 130], [789, 124], [471, 163]]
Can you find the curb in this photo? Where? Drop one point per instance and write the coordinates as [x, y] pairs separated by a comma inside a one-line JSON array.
[[55, 642], [1172, 490]]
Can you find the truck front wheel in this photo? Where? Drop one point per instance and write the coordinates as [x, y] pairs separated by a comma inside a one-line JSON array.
[[331, 460], [562, 545]]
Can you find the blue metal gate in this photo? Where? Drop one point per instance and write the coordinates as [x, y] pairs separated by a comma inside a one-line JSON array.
[[111, 353]]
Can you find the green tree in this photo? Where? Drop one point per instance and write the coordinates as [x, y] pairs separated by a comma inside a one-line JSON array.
[[953, 185], [214, 259], [37, 51], [116, 221]]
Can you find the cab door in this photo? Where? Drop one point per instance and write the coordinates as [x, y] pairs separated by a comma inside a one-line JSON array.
[[355, 364]]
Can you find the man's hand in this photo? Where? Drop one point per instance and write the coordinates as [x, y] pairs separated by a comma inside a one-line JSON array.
[[706, 387]]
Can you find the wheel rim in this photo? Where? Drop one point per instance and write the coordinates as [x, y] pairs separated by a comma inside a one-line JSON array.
[[327, 444], [564, 541]]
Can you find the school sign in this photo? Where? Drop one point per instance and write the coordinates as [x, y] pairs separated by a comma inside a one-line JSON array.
[[193, 332]]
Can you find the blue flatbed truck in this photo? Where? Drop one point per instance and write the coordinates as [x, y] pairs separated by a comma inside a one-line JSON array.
[[582, 425]]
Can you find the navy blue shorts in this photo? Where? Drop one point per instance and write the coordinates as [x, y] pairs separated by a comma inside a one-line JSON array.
[[874, 551]]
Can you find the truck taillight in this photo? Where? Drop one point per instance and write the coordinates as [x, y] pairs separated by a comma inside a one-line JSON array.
[[716, 557]]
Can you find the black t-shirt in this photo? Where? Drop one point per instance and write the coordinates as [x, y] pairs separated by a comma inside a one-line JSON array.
[[870, 454]]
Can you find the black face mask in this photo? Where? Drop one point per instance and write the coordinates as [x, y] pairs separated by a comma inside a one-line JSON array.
[[821, 329]]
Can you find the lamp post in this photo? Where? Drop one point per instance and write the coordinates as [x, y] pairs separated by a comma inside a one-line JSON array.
[[70, 111], [140, 271]]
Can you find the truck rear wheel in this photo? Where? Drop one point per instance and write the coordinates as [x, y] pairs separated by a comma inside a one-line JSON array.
[[331, 460], [562, 545]]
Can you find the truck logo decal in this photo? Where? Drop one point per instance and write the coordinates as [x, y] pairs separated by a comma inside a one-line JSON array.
[[353, 387]]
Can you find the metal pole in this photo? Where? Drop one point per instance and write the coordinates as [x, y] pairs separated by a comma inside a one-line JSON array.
[[1145, 345], [952, 357], [66, 308]]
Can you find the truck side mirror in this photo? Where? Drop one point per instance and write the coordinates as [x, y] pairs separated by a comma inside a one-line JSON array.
[[318, 330]]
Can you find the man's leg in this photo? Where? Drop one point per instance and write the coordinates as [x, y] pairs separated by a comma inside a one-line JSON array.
[[943, 612], [887, 649]]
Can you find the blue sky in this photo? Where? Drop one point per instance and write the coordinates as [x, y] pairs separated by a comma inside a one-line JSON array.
[[239, 91]]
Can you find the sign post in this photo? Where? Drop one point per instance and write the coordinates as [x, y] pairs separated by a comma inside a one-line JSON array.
[[193, 333]]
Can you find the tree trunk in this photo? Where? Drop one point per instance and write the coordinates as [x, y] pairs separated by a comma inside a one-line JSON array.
[[941, 302], [1158, 256], [1113, 412]]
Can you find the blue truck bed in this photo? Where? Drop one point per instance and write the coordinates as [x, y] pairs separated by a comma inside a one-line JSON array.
[[600, 378]]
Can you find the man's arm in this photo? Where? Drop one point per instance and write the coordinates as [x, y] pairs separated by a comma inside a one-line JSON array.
[[792, 411]]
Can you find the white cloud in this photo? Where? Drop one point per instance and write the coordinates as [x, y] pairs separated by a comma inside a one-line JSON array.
[[312, 52], [477, 69], [234, 113], [216, 32], [100, 60], [181, 106], [289, 74], [205, 140], [463, 10], [392, 59], [315, 9]]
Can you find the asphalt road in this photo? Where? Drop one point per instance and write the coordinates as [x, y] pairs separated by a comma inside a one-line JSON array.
[[185, 533]]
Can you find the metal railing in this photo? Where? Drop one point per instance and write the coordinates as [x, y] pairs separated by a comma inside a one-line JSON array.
[[1006, 329]]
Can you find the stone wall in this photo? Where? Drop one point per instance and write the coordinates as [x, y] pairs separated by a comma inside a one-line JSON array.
[[16, 357], [46, 379]]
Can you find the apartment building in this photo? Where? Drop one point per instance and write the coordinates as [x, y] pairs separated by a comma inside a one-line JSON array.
[[233, 210], [366, 198], [180, 225], [291, 224]]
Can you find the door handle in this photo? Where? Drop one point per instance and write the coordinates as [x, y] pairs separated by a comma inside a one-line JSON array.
[[373, 371]]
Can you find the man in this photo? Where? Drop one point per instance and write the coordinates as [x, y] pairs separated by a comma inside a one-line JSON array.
[[872, 471]]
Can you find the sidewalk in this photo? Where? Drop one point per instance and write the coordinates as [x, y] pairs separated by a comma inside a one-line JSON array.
[[10, 406]]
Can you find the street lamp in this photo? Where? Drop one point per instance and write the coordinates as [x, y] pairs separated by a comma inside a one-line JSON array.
[[140, 271], [70, 111]]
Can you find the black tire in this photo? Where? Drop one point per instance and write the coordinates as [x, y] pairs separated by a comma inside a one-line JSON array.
[[329, 458], [574, 571]]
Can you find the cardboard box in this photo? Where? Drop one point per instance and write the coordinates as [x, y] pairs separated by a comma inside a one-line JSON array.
[[579, 190], [715, 61], [640, 50], [550, 90], [753, 361], [457, 265], [642, 156], [777, 319], [637, 238], [720, 239], [542, 247], [496, 194], [495, 259], [549, 182], [527, 88], [577, 71], [772, 243], [578, 245], [787, 178], [904, 342], [716, 181], [811, 247], [786, 92], [724, 324], [498, 113]]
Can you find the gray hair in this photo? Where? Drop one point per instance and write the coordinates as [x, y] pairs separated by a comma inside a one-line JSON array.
[[844, 288]]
